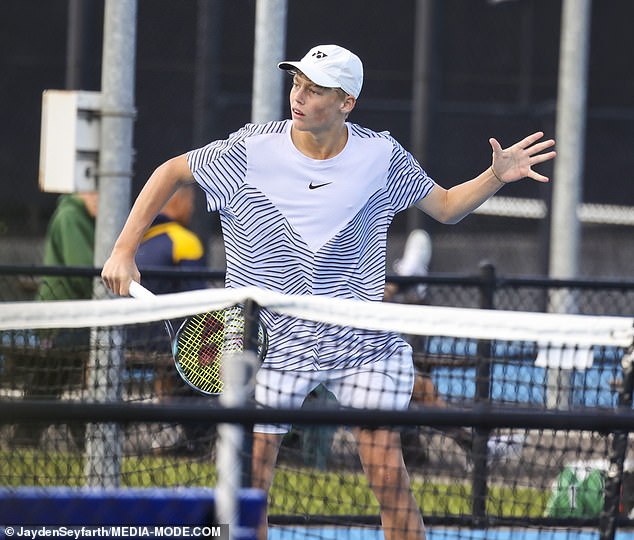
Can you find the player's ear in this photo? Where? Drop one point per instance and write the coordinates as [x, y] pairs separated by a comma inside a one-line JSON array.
[[348, 104]]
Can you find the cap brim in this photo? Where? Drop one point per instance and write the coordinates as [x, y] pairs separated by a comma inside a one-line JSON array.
[[313, 73]]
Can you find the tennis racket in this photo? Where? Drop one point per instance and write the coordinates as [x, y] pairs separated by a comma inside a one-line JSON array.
[[203, 342]]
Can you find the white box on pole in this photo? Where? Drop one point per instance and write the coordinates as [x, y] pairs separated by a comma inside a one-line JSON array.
[[69, 141]]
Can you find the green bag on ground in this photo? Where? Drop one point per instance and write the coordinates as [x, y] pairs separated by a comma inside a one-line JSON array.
[[577, 492]]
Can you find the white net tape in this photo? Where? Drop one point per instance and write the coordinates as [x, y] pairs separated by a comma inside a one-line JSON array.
[[555, 329]]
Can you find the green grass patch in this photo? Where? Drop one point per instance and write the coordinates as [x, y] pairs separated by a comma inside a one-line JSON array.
[[340, 493], [33, 468], [295, 492]]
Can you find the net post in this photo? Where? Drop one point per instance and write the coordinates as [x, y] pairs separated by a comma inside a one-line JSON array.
[[251, 331], [614, 478], [230, 459], [235, 441], [482, 394]]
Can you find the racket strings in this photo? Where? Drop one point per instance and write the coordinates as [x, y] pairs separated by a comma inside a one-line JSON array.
[[202, 344]]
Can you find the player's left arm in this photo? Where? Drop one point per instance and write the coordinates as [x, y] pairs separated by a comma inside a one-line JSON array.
[[508, 165]]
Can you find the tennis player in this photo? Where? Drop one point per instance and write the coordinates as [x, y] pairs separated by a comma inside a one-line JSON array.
[[305, 206]]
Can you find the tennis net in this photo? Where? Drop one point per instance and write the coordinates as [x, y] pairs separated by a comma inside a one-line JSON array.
[[519, 423]]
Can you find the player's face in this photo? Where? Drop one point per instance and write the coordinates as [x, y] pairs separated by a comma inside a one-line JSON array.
[[315, 108]]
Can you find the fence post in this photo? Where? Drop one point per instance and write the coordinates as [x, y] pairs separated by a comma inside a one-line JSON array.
[[103, 442], [482, 394], [614, 478]]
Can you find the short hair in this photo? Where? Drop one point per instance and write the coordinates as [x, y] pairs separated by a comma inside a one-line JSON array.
[[337, 89]]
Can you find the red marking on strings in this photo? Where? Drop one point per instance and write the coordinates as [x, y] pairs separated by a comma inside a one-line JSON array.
[[210, 349]]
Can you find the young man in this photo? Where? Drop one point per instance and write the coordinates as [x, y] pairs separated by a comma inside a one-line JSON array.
[[305, 206]]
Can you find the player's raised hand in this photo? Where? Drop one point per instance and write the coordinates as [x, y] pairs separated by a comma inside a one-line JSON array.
[[517, 161]]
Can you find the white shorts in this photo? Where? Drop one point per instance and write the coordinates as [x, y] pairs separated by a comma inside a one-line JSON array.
[[386, 384]]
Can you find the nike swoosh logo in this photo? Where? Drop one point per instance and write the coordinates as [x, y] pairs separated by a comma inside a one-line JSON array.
[[315, 186]]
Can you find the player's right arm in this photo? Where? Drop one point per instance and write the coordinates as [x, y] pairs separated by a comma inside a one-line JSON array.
[[120, 269]]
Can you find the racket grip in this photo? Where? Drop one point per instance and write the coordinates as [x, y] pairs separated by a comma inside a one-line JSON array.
[[137, 290]]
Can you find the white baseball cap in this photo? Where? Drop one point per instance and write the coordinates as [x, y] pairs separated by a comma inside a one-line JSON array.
[[331, 66]]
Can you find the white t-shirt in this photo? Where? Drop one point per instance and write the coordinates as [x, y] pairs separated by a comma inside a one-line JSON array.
[[304, 226]]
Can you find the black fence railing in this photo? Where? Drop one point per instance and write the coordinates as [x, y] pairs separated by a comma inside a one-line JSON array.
[[484, 288]]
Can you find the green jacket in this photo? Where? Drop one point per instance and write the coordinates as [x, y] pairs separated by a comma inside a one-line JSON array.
[[70, 241]]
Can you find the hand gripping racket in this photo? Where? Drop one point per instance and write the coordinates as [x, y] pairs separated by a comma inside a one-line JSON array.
[[203, 342]]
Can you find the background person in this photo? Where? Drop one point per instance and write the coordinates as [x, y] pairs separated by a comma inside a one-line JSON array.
[[62, 356], [70, 241], [414, 262], [169, 243]]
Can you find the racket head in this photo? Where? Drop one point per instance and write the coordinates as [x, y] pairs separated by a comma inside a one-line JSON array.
[[203, 342]]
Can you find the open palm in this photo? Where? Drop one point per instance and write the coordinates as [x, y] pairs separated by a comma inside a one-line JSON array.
[[517, 161]]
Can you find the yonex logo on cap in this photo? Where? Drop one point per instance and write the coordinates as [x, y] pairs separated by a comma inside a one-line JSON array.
[[319, 54]]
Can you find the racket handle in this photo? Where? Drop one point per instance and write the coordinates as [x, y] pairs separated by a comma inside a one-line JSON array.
[[137, 290]]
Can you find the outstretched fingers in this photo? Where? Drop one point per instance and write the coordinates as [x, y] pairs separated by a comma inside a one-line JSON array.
[[541, 146], [530, 139], [536, 176], [540, 158], [538, 155]]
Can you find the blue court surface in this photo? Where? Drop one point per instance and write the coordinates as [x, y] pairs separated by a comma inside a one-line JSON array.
[[438, 533]]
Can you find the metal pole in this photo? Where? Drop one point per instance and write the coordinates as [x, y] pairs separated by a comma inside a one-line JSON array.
[[81, 46], [421, 76], [205, 108], [568, 174], [115, 156], [74, 50], [483, 395], [206, 79], [570, 135], [270, 44], [103, 444]]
